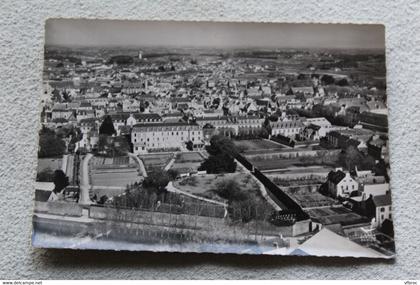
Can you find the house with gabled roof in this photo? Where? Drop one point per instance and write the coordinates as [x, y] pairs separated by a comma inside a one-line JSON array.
[[379, 207], [341, 184]]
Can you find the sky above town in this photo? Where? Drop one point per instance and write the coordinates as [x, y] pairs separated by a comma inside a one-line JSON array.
[[113, 33]]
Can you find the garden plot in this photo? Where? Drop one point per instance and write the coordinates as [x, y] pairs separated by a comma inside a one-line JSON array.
[[187, 162], [256, 144]]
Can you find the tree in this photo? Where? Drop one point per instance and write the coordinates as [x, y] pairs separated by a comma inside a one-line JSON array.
[[173, 174], [221, 144], [247, 210], [221, 150], [387, 228], [121, 60], [157, 181], [120, 145], [46, 175], [327, 79], [342, 82], [216, 102], [189, 145], [66, 96], [102, 143], [103, 199], [380, 169], [55, 96], [301, 76], [107, 127], [220, 163], [266, 128], [60, 181], [230, 190], [352, 157], [50, 145]]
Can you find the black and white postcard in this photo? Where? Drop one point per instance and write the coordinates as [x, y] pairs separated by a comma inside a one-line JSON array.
[[247, 138]]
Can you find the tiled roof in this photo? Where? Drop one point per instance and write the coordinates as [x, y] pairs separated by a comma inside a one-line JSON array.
[[382, 200], [336, 177]]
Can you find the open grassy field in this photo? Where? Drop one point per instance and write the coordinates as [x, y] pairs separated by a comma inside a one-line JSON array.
[[51, 163], [187, 162], [296, 162], [186, 167], [159, 160], [268, 164], [99, 161], [334, 215], [205, 185], [115, 177], [188, 157], [256, 144], [313, 200]]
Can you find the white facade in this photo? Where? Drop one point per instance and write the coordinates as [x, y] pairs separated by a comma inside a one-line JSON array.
[[288, 126], [324, 124], [131, 106], [375, 190], [346, 186], [236, 123], [341, 184], [160, 136], [383, 213]]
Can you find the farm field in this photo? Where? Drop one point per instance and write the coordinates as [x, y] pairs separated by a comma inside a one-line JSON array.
[[256, 144], [186, 162], [291, 163], [204, 185], [186, 167], [158, 160], [188, 157], [335, 215], [51, 163], [268, 164], [113, 171], [115, 177], [310, 200], [98, 161]]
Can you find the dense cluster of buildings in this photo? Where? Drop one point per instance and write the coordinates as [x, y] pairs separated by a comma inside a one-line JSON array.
[[234, 96], [366, 193], [168, 103]]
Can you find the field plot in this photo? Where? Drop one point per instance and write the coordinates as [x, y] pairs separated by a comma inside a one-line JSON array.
[[156, 161], [311, 200], [336, 215], [188, 157], [269, 164], [187, 162], [256, 144], [206, 185], [113, 173], [106, 162], [115, 177], [51, 163]]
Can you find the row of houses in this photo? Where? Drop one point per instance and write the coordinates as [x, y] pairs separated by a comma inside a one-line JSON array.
[[365, 193]]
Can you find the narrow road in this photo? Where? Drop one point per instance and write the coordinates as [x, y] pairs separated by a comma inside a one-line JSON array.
[[140, 163], [84, 181]]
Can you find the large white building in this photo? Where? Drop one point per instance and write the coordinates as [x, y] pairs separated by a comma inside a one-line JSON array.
[[122, 119], [233, 125], [288, 126], [323, 124], [165, 136]]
